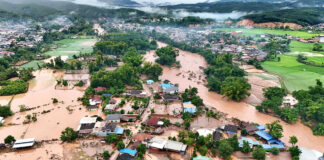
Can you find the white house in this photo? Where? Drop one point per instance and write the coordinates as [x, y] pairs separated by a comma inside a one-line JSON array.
[[289, 101], [321, 39]]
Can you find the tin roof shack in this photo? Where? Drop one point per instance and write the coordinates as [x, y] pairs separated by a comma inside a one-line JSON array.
[[113, 118], [137, 93], [175, 146], [100, 89], [24, 143], [129, 118], [217, 135], [250, 129], [154, 122], [125, 157], [141, 137], [232, 129], [95, 100], [205, 132], [188, 107], [170, 98], [289, 101], [87, 124], [128, 151]]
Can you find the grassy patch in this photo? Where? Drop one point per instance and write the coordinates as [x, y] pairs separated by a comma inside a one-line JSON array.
[[32, 64], [316, 60], [255, 31], [296, 75], [70, 47], [296, 46]]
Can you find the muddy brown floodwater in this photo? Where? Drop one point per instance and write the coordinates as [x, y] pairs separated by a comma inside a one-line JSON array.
[[67, 113], [191, 74]]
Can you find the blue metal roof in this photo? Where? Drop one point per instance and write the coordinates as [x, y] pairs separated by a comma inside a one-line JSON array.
[[264, 135], [269, 146], [128, 151], [166, 85], [119, 130], [189, 102], [107, 94], [201, 158], [149, 81], [261, 127], [190, 110]]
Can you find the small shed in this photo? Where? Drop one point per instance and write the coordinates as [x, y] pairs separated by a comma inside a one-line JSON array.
[[149, 82], [24, 143], [129, 151]]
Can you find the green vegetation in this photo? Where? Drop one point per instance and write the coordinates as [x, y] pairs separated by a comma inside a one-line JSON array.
[[111, 138], [302, 17], [167, 55], [296, 46], [258, 31], [5, 111], [35, 64], [296, 75], [105, 154], [69, 135], [70, 47], [9, 139], [13, 87], [275, 129], [120, 145], [259, 153]]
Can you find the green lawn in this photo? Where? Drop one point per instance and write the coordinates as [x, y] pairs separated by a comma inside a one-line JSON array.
[[252, 32], [70, 47], [296, 75], [32, 64]]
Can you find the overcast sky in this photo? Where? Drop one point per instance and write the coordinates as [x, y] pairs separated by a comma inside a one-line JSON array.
[[171, 1]]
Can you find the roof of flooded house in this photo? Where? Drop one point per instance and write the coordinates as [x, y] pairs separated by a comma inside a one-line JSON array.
[[175, 146], [98, 89], [23, 143], [112, 101], [109, 126], [231, 128], [87, 126], [166, 85], [189, 102], [128, 151], [290, 99], [75, 77], [149, 81], [85, 120], [261, 127], [171, 89], [127, 118], [96, 98], [217, 135], [264, 135], [204, 132], [269, 146], [201, 158], [92, 107], [157, 142], [190, 110], [113, 116], [250, 141], [141, 137], [119, 130], [171, 97], [153, 121], [309, 154], [188, 105], [251, 128], [110, 107], [135, 92], [125, 156], [107, 94]]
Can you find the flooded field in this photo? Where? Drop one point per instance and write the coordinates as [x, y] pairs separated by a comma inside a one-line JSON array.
[[51, 118], [191, 74]]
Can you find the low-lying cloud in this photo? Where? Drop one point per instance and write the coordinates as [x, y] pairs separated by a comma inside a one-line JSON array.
[[215, 16]]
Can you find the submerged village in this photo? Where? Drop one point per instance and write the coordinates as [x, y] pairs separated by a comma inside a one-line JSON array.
[[144, 88]]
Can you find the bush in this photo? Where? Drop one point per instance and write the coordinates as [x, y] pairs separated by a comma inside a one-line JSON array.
[[9, 139], [120, 145], [13, 87], [5, 111], [69, 135], [55, 100], [105, 154], [274, 151], [259, 153], [65, 83], [111, 138]]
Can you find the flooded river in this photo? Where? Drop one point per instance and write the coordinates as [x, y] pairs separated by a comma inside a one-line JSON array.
[[191, 74]]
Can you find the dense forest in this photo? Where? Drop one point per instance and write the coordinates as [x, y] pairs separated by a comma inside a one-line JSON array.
[[303, 17]]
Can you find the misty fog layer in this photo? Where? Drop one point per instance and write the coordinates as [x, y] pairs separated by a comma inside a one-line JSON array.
[[215, 16]]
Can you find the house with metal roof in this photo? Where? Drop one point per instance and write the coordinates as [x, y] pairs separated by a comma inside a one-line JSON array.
[[128, 151], [149, 82], [125, 157], [113, 118], [201, 158], [175, 146], [24, 143]]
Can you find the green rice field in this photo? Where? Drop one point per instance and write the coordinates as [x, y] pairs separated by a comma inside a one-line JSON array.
[[32, 64], [296, 75], [255, 31], [70, 47], [296, 46]]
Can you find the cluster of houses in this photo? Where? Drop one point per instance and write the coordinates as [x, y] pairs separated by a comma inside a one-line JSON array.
[[256, 135]]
